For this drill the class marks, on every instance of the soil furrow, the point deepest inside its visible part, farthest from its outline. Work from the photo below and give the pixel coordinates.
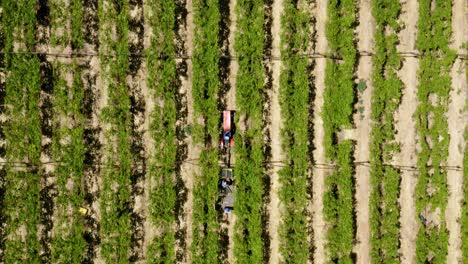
(267, 126)
(457, 120)
(144, 201)
(406, 134)
(319, 175)
(362, 120)
(187, 170)
(181, 135)
(94, 181)
(48, 189)
(310, 133)
(92, 131)
(275, 135)
(91, 168)
(137, 109)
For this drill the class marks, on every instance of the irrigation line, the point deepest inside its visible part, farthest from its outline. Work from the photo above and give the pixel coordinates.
(405, 54)
(324, 166)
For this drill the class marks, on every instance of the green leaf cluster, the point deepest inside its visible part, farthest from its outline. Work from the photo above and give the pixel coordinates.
(249, 171)
(294, 102)
(434, 31)
(115, 192)
(205, 86)
(162, 82)
(68, 147)
(385, 181)
(337, 114)
(22, 133)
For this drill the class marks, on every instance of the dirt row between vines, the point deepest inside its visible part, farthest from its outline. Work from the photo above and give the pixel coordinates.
(92, 133)
(362, 122)
(47, 115)
(101, 103)
(318, 223)
(275, 135)
(406, 131)
(457, 120)
(142, 204)
(136, 82)
(188, 170)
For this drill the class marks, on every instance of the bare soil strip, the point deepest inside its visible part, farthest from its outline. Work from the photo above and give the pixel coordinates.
(188, 170)
(91, 175)
(362, 120)
(135, 79)
(275, 134)
(231, 105)
(101, 103)
(48, 188)
(181, 123)
(319, 174)
(233, 64)
(267, 128)
(406, 134)
(457, 120)
(149, 229)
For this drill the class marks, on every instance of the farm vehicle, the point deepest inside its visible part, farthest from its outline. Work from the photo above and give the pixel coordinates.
(226, 190)
(228, 130)
(226, 181)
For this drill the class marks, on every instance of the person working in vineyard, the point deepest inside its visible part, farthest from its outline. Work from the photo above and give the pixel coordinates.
(227, 137)
(225, 183)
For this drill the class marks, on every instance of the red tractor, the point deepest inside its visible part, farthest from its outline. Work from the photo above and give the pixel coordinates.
(228, 131)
